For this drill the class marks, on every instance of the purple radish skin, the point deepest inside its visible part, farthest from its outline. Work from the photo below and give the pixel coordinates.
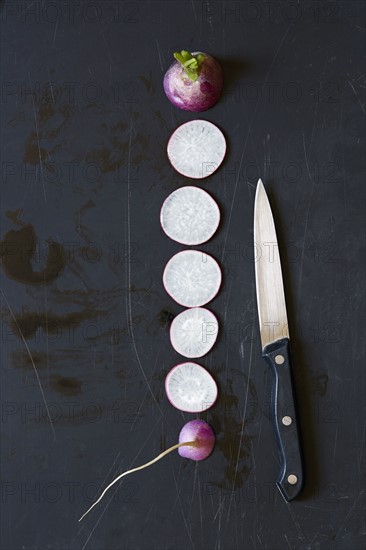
(197, 437)
(204, 436)
(194, 81)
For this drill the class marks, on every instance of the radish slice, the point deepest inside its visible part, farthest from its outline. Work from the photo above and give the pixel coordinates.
(193, 332)
(196, 149)
(190, 215)
(192, 278)
(190, 388)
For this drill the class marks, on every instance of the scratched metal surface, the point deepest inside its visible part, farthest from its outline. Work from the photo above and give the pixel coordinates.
(85, 320)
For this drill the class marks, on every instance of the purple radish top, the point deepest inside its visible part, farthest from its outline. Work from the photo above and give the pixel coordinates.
(189, 215)
(203, 434)
(194, 81)
(196, 149)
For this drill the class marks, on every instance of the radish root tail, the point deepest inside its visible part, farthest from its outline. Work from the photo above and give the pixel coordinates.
(164, 453)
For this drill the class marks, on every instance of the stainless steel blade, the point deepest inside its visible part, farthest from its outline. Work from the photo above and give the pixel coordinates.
(268, 273)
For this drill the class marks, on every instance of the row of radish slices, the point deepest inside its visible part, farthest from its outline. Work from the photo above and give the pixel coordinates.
(192, 278)
(190, 216)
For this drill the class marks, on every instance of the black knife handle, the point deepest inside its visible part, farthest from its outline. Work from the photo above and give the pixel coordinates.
(290, 478)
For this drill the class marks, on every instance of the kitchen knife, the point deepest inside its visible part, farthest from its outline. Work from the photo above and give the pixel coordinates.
(276, 345)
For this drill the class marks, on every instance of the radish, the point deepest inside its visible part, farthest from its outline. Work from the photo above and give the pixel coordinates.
(196, 442)
(190, 388)
(196, 149)
(193, 332)
(190, 215)
(194, 81)
(202, 434)
(192, 278)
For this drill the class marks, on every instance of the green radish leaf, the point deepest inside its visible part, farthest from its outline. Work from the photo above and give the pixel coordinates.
(191, 63)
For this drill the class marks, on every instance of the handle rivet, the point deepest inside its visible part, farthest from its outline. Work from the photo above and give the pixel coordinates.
(286, 420)
(292, 479)
(279, 359)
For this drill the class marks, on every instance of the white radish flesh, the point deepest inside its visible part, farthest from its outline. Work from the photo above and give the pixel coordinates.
(190, 216)
(192, 278)
(190, 388)
(193, 332)
(196, 149)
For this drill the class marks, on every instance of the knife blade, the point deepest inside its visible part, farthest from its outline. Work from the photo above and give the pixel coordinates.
(275, 340)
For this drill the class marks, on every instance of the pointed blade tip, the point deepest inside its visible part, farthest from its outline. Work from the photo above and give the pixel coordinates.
(259, 185)
(260, 189)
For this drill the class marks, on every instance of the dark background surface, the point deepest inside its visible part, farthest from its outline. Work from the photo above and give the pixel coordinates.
(84, 174)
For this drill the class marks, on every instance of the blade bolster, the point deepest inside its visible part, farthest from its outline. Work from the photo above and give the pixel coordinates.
(272, 331)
